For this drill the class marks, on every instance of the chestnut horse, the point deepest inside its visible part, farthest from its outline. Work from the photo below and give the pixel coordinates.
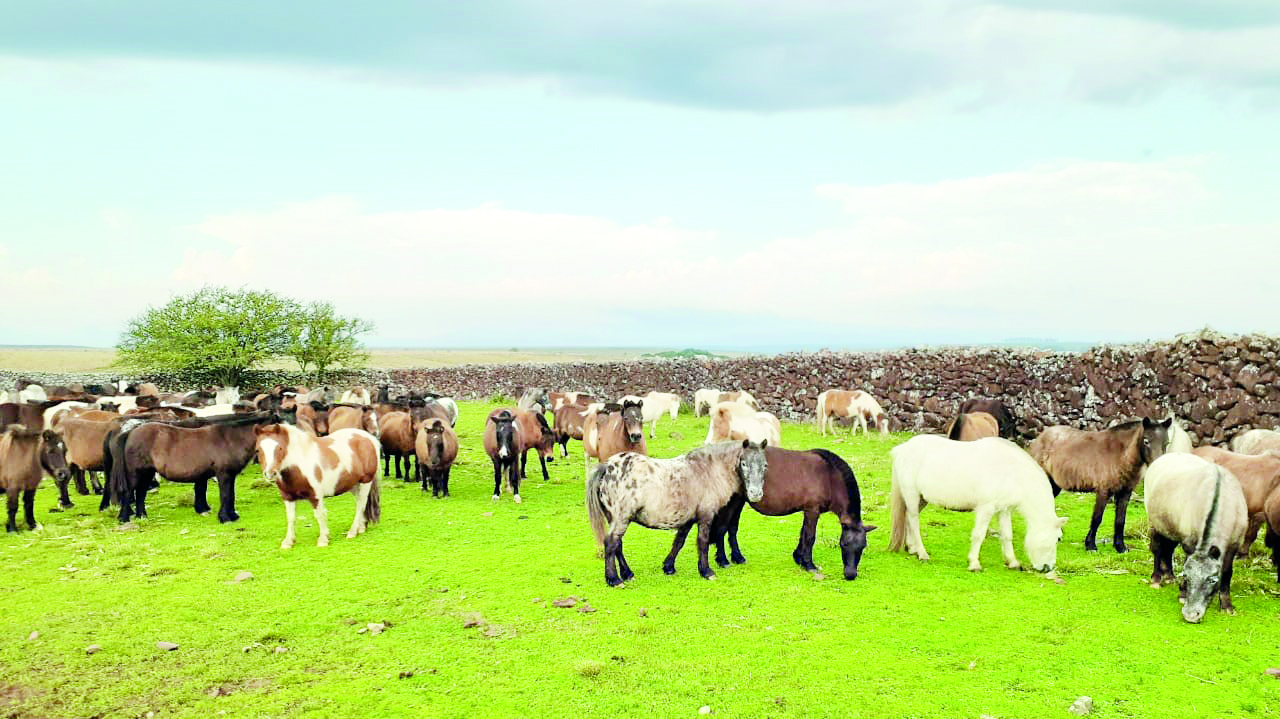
(621, 431)
(1005, 417)
(24, 453)
(968, 426)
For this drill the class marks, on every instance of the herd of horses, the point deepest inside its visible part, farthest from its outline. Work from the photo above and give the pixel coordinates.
(1211, 501)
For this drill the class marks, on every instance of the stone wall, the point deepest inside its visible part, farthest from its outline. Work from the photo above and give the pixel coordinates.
(1219, 385)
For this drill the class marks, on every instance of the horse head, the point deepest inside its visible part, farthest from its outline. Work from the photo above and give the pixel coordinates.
(505, 433)
(753, 466)
(633, 419)
(1041, 543)
(1155, 438)
(53, 456)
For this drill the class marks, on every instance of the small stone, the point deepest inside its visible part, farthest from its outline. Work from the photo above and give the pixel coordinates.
(281, 650)
(586, 609)
(243, 577)
(565, 602)
(362, 630)
(350, 622)
(184, 531)
(1081, 706)
(566, 580)
(406, 674)
(33, 636)
(643, 612)
(376, 628)
(1273, 672)
(704, 709)
(92, 649)
(537, 600)
(471, 620)
(492, 632)
(486, 514)
(819, 576)
(166, 646)
(677, 436)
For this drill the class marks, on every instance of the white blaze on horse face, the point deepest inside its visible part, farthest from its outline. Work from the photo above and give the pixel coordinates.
(267, 458)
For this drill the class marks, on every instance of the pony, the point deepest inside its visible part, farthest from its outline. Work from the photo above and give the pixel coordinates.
(969, 426)
(621, 431)
(1272, 511)
(53, 412)
(311, 468)
(356, 395)
(533, 433)
(502, 444)
(534, 397)
(1179, 440)
(566, 399)
(450, 408)
(812, 482)
(313, 417)
(354, 417)
(194, 451)
(1199, 505)
(30, 416)
(654, 405)
(32, 393)
(990, 476)
(856, 405)
(1256, 441)
(397, 437)
(437, 448)
(84, 438)
(25, 454)
(705, 399)
(1005, 417)
(1107, 462)
(734, 420)
(569, 423)
(594, 418)
(1259, 477)
(669, 494)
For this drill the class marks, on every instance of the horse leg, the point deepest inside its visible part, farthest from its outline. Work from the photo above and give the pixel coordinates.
(1122, 509)
(362, 499)
(669, 564)
(227, 498)
(444, 481)
(612, 544)
(291, 520)
(735, 552)
(915, 543)
(1099, 506)
(64, 499)
(624, 569)
(1054, 486)
(543, 461)
(12, 524)
(29, 509)
(981, 521)
(1251, 534)
(386, 464)
(1006, 539)
(514, 478)
(1224, 584)
(808, 534)
(1272, 540)
(322, 521)
(1162, 556)
(77, 473)
(497, 479)
(201, 490)
(94, 484)
(704, 543)
(140, 489)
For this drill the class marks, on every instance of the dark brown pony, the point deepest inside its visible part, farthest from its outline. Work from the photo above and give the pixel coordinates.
(812, 482)
(194, 451)
(25, 454)
(502, 444)
(1005, 417)
(1108, 463)
(397, 436)
(437, 448)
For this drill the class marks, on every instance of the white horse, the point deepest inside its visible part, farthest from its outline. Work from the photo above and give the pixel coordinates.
(734, 420)
(1256, 441)
(51, 414)
(213, 410)
(856, 404)
(356, 395)
(654, 405)
(669, 494)
(989, 476)
(32, 393)
(1199, 505)
(703, 400)
(1179, 441)
(226, 395)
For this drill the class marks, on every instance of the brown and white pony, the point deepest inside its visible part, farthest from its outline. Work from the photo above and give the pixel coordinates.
(856, 405)
(437, 448)
(621, 431)
(737, 421)
(354, 417)
(533, 433)
(25, 454)
(969, 426)
(311, 468)
(570, 422)
(568, 399)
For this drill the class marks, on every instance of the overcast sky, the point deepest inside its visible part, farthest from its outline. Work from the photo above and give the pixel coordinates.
(723, 173)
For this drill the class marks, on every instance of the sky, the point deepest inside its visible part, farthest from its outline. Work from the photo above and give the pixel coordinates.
(718, 174)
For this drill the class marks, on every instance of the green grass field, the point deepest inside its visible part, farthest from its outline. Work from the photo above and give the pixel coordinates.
(765, 639)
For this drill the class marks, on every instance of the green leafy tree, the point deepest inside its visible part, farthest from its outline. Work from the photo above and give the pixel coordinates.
(215, 333)
(322, 339)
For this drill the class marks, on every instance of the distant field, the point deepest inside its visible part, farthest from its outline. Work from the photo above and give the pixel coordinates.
(61, 359)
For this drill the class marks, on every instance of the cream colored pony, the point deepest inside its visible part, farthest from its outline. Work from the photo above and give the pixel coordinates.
(655, 405)
(734, 420)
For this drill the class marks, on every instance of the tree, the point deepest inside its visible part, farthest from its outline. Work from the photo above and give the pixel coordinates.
(322, 339)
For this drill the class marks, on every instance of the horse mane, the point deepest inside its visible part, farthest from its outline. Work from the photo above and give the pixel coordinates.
(223, 420)
(1212, 516)
(542, 422)
(957, 425)
(842, 467)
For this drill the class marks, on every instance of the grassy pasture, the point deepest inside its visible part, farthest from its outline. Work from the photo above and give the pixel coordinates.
(906, 639)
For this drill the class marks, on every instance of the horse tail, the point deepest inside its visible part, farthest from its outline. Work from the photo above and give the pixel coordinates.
(595, 508)
(957, 426)
(373, 506)
(897, 514)
(822, 411)
(119, 479)
(841, 467)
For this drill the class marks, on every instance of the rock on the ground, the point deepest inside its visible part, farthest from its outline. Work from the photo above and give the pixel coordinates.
(166, 646)
(92, 649)
(704, 709)
(376, 628)
(1081, 706)
(243, 576)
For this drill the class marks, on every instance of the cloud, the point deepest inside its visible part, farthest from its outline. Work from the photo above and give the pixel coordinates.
(753, 55)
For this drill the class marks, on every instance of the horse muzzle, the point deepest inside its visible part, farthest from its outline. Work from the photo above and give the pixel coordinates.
(755, 496)
(635, 436)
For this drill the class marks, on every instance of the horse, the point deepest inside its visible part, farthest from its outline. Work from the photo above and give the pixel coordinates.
(654, 405)
(1179, 440)
(25, 454)
(310, 468)
(1272, 511)
(356, 395)
(30, 416)
(313, 418)
(534, 397)
(397, 436)
(812, 482)
(621, 431)
(990, 476)
(84, 438)
(1256, 441)
(1194, 503)
(354, 417)
(1005, 417)
(450, 408)
(705, 399)
(569, 424)
(32, 393)
(856, 404)
(594, 418)
(734, 420)
(565, 399)
(969, 426)
(1259, 477)
(502, 444)
(192, 451)
(1107, 462)
(437, 448)
(669, 494)
(533, 433)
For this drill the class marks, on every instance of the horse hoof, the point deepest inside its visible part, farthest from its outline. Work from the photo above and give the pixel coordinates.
(1014, 565)
(352, 534)
(517, 498)
(322, 542)
(1155, 584)
(205, 513)
(613, 582)
(738, 559)
(1090, 547)
(975, 567)
(286, 545)
(709, 576)
(668, 570)
(1121, 548)
(722, 563)
(495, 497)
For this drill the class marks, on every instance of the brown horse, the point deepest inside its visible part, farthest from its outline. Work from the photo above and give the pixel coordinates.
(622, 431)
(972, 425)
(1005, 417)
(27, 414)
(397, 438)
(24, 453)
(194, 451)
(570, 399)
(346, 416)
(437, 448)
(570, 420)
(812, 482)
(1108, 463)
(84, 437)
(533, 433)
(1259, 476)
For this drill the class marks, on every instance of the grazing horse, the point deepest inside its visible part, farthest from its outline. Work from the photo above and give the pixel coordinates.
(734, 420)
(24, 453)
(1256, 441)
(969, 426)
(1005, 417)
(310, 468)
(437, 448)
(669, 494)
(1108, 463)
(856, 405)
(1259, 477)
(1194, 503)
(654, 405)
(621, 431)
(397, 438)
(534, 397)
(187, 451)
(990, 476)
(812, 482)
(502, 444)
(356, 395)
(533, 433)
(354, 417)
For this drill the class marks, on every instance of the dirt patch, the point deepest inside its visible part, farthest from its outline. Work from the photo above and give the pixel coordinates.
(17, 693)
(244, 685)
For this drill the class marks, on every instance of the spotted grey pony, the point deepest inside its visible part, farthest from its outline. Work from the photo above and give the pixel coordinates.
(670, 494)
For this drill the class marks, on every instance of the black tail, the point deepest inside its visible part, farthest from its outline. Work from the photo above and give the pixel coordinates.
(850, 482)
(957, 425)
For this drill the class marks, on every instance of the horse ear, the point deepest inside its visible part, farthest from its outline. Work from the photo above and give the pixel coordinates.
(1168, 422)
(50, 436)
(868, 527)
(764, 443)
(1062, 521)
(746, 443)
